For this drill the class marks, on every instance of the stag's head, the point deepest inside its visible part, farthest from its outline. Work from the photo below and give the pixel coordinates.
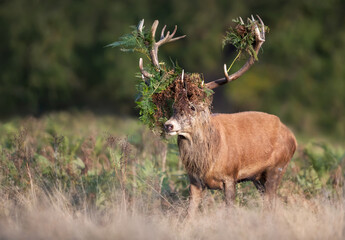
(184, 122)
(191, 108)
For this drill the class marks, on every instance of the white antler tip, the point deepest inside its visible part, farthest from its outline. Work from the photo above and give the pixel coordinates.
(226, 72)
(141, 25)
(182, 75)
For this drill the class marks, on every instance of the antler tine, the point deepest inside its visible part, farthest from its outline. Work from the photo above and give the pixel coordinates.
(165, 38)
(182, 75)
(226, 73)
(154, 28)
(141, 25)
(176, 38)
(144, 74)
(162, 33)
(258, 33)
(173, 33)
(262, 35)
(260, 39)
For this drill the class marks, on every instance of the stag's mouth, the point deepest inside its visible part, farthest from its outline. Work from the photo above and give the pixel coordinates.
(178, 132)
(172, 133)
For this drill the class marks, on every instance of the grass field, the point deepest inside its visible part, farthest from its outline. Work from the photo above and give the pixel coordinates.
(81, 176)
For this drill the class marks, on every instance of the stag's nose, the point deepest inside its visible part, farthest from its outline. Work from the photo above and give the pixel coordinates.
(168, 127)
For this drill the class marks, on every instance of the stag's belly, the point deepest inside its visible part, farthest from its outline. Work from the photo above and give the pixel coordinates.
(250, 172)
(213, 183)
(217, 184)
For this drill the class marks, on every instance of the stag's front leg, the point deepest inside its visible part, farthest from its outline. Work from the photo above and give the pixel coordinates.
(196, 190)
(230, 191)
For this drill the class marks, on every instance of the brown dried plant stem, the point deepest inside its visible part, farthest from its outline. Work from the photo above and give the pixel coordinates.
(30, 180)
(164, 153)
(120, 177)
(121, 173)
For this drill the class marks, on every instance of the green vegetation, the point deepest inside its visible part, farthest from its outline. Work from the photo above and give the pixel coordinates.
(92, 157)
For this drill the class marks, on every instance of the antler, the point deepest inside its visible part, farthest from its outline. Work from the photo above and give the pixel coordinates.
(165, 38)
(259, 39)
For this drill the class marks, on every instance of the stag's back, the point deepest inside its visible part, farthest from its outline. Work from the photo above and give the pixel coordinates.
(252, 142)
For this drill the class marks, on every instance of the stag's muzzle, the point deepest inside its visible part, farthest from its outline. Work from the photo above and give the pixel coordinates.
(171, 127)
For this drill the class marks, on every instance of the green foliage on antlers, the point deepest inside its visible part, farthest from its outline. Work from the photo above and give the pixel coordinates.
(242, 37)
(135, 41)
(140, 40)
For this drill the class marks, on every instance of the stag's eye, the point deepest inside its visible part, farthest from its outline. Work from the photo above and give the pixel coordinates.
(193, 108)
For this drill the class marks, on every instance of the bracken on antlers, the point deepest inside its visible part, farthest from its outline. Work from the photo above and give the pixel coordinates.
(259, 39)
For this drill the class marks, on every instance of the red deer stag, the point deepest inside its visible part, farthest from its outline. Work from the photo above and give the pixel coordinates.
(220, 150)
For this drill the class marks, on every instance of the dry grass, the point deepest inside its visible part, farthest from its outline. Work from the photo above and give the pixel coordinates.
(42, 216)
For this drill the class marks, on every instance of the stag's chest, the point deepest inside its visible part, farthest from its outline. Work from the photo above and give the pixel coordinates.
(199, 161)
(194, 156)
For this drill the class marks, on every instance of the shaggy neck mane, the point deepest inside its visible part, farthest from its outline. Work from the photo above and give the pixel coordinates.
(197, 152)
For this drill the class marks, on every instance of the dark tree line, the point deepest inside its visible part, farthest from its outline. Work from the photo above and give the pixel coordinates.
(52, 56)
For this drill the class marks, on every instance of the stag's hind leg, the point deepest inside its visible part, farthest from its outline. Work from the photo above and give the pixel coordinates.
(273, 178)
(260, 183)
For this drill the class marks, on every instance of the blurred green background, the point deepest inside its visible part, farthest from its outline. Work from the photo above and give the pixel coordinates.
(52, 57)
